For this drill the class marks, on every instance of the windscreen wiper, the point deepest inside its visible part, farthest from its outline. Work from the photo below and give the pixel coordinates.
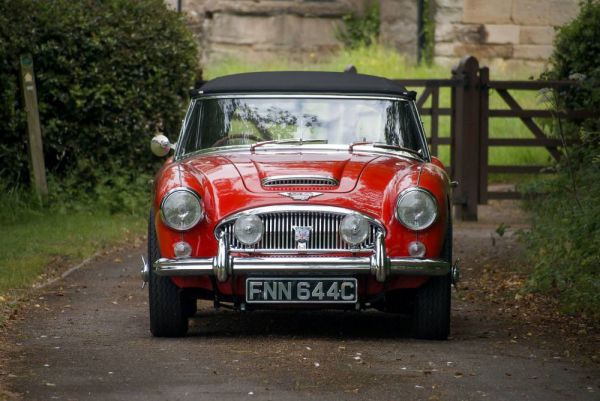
(387, 146)
(299, 141)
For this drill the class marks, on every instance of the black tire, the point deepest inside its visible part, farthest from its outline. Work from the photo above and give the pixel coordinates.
(431, 315)
(168, 310)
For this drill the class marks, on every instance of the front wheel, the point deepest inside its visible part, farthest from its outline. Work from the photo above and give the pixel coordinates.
(168, 309)
(431, 316)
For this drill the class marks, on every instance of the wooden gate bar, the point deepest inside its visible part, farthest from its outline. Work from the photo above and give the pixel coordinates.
(547, 142)
(440, 111)
(571, 114)
(529, 123)
(518, 169)
(423, 98)
(532, 85)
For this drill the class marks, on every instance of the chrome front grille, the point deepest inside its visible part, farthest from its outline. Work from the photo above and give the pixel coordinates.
(279, 234)
(299, 181)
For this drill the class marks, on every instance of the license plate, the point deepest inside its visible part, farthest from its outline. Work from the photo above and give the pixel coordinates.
(301, 290)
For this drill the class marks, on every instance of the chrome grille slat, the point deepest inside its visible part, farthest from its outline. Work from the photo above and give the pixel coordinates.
(279, 235)
(299, 181)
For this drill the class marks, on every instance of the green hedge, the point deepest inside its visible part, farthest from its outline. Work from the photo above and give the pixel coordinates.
(576, 56)
(109, 73)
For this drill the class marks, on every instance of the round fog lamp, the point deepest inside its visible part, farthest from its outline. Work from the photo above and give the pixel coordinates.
(182, 249)
(248, 229)
(354, 229)
(416, 249)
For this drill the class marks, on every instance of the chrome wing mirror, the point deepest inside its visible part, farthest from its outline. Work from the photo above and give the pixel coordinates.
(161, 146)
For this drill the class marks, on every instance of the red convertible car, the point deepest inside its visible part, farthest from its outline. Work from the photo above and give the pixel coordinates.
(300, 190)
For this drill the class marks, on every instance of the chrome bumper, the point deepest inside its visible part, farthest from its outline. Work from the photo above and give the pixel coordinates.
(224, 266)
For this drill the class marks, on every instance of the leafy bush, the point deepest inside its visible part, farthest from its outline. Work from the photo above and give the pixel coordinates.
(109, 75)
(564, 241)
(565, 238)
(360, 30)
(576, 55)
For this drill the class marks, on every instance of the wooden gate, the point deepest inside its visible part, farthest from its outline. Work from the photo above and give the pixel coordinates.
(470, 140)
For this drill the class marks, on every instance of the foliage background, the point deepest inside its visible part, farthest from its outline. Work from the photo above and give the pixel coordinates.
(109, 74)
(358, 30)
(565, 239)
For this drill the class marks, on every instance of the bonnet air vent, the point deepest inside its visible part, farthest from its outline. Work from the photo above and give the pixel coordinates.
(299, 181)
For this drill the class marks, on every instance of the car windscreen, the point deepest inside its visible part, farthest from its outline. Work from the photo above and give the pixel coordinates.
(214, 122)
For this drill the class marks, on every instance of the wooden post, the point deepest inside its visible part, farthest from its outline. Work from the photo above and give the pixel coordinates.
(484, 134)
(465, 140)
(34, 133)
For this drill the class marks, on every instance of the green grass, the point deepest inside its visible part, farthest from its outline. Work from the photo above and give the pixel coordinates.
(26, 248)
(377, 60)
(39, 239)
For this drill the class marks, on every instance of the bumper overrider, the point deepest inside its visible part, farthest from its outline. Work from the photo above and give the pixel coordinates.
(223, 266)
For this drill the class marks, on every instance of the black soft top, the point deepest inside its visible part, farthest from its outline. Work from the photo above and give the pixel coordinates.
(304, 82)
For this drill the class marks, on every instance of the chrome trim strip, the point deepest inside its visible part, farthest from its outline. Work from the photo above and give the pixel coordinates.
(302, 95)
(305, 149)
(302, 265)
(423, 134)
(418, 267)
(292, 251)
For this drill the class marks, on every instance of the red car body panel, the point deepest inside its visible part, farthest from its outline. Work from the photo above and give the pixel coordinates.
(369, 182)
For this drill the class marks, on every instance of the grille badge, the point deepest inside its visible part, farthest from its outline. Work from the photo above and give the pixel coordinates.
(302, 235)
(300, 196)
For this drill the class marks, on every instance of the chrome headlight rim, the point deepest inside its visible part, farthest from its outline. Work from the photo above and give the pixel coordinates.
(196, 220)
(427, 193)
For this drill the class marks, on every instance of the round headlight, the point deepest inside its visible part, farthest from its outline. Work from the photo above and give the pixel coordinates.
(248, 229)
(416, 209)
(354, 229)
(181, 209)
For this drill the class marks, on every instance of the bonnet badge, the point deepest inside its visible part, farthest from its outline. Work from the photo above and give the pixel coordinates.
(300, 196)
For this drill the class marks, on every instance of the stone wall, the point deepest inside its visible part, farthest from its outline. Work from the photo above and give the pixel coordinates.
(506, 34)
(399, 25)
(258, 29)
(501, 33)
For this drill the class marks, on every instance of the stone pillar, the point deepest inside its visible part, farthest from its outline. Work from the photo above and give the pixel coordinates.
(506, 34)
(399, 26)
